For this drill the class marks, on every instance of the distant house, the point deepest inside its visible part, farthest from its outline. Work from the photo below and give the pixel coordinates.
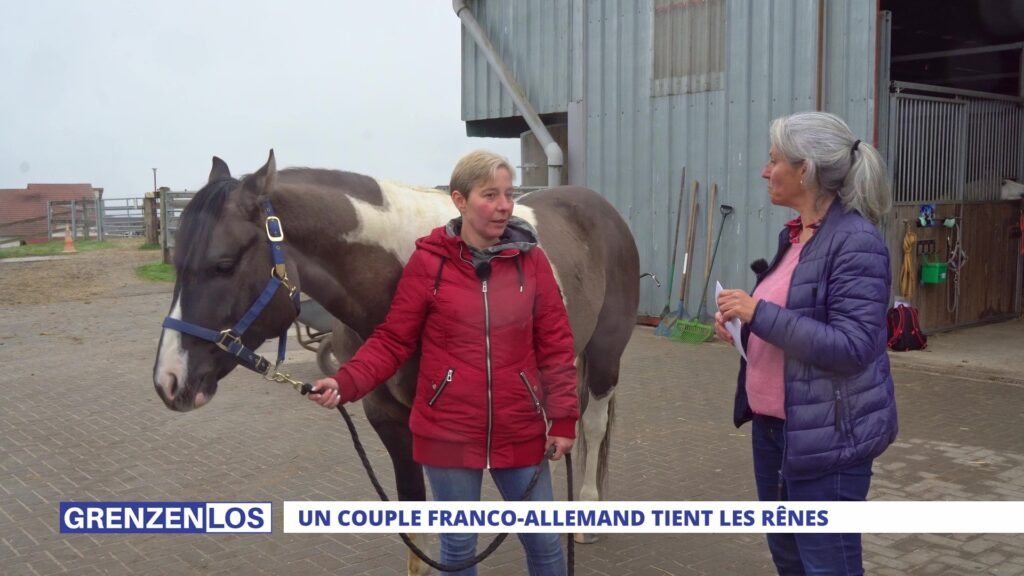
(23, 210)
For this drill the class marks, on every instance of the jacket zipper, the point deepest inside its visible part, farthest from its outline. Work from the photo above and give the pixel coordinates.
(839, 410)
(536, 402)
(440, 388)
(529, 388)
(785, 451)
(490, 393)
(487, 342)
(785, 424)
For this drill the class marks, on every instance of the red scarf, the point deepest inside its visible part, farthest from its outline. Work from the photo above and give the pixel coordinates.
(796, 226)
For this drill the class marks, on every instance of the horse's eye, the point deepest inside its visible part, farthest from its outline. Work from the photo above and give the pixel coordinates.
(225, 266)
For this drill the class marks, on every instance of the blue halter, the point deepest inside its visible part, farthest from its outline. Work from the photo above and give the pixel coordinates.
(230, 339)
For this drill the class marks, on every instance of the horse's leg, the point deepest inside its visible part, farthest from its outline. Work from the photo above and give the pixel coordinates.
(595, 431)
(599, 372)
(390, 419)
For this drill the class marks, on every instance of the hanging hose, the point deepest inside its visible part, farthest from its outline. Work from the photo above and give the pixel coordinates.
(908, 275)
(957, 260)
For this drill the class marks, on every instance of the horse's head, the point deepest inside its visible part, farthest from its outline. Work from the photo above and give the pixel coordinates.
(223, 263)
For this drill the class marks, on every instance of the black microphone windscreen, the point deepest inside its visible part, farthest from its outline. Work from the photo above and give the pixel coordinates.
(483, 270)
(759, 266)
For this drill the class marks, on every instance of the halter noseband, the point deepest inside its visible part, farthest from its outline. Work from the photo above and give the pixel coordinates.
(230, 339)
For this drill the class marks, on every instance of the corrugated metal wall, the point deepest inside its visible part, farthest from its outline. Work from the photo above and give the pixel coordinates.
(849, 73)
(637, 145)
(534, 38)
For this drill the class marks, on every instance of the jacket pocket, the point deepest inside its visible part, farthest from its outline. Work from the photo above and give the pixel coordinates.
(439, 387)
(533, 393)
(842, 423)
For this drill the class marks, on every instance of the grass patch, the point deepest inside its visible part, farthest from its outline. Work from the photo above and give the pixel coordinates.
(52, 248)
(149, 246)
(156, 272)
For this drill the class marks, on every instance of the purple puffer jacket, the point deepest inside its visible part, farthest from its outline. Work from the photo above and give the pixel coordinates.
(840, 403)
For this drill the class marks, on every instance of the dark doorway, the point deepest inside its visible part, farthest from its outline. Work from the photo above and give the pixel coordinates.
(924, 27)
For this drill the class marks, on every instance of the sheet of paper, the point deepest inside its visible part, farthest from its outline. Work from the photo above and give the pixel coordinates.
(733, 326)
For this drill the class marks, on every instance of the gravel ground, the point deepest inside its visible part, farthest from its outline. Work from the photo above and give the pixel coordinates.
(83, 277)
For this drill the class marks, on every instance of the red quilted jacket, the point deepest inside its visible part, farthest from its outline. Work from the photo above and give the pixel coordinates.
(496, 360)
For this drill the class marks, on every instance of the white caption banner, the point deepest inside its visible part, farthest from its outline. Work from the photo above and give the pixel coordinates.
(654, 517)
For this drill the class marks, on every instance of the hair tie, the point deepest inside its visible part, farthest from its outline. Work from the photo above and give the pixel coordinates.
(855, 145)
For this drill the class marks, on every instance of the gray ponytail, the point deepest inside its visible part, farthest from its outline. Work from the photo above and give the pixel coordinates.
(837, 162)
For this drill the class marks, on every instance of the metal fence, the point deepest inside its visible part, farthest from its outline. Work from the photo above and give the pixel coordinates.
(952, 145)
(171, 206)
(79, 217)
(928, 136)
(994, 148)
(123, 217)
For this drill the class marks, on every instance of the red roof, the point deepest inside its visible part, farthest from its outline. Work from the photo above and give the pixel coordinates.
(18, 205)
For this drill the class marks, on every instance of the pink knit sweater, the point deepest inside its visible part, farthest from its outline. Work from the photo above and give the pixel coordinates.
(765, 383)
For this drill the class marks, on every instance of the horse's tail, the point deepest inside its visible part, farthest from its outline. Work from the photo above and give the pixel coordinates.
(579, 449)
(604, 455)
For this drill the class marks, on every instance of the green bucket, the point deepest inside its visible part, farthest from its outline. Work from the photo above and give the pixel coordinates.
(934, 272)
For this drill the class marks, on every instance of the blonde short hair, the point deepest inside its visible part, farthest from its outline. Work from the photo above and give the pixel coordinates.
(476, 168)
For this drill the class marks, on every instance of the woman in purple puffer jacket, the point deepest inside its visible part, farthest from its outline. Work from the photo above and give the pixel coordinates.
(817, 384)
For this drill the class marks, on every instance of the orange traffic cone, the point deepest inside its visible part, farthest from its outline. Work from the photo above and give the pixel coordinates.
(69, 240)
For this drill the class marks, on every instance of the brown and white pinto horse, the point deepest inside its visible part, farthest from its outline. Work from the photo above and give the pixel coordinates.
(347, 237)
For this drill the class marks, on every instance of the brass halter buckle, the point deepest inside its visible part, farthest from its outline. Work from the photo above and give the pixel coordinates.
(278, 271)
(228, 337)
(279, 237)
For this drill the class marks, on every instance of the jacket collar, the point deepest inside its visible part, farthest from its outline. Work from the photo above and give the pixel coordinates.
(519, 235)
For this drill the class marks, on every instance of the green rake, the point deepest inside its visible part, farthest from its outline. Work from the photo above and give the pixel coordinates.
(692, 331)
(699, 329)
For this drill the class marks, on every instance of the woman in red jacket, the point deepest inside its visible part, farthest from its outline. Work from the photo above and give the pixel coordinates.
(497, 384)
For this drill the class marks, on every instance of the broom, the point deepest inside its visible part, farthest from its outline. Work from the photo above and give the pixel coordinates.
(665, 324)
(691, 230)
(700, 329)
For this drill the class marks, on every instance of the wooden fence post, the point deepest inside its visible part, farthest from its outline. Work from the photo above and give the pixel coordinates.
(149, 220)
(165, 205)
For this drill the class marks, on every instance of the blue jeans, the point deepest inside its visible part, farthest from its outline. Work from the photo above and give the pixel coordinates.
(543, 551)
(811, 553)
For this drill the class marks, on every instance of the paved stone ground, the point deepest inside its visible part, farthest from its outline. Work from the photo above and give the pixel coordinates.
(79, 421)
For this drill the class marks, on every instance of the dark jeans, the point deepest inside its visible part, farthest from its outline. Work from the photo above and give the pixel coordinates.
(807, 553)
(544, 555)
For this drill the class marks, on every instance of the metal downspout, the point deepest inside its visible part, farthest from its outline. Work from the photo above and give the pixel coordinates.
(551, 148)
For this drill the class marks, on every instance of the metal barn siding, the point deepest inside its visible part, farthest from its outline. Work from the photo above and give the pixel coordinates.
(535, 40)
(850, 77)
(637, 144)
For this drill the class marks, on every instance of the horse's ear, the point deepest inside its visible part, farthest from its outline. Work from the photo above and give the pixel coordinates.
(220, 170)
(262, 182)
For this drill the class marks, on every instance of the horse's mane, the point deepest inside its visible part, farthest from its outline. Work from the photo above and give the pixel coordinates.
(197, 223)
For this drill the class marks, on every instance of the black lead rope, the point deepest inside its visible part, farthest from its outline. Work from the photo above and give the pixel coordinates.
(498, 540)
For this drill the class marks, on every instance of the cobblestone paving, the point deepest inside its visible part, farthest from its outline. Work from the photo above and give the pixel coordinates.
(79, 421)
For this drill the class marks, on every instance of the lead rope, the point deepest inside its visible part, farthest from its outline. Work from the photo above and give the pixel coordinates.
(908, 273)
(498, 540)
(957, 260)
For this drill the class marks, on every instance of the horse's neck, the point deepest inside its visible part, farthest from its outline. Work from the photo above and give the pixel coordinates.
(350, 252)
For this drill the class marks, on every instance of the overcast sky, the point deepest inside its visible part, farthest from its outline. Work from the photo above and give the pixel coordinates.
(103, 91)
